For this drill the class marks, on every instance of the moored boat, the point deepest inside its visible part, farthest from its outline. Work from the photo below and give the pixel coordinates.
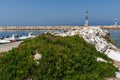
(16, 37)
(13, 38)
(4, 41)
(23, 37)
(31, 35)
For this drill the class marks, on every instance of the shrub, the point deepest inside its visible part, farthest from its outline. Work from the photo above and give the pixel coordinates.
(63, 58)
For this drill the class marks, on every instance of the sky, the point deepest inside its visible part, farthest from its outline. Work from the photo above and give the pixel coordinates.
(58, 12)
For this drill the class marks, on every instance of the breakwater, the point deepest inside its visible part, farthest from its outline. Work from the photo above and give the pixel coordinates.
(36, 27)
(51, 27)
(110, 27)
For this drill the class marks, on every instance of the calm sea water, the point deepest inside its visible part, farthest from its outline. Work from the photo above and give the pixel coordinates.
(115, 35)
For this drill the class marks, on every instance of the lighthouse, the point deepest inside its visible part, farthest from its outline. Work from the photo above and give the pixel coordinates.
(115, 20)
(86, 18)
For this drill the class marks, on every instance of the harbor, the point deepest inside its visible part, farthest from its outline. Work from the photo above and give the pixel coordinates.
(114, 33)
(16, 37)
(59, 40)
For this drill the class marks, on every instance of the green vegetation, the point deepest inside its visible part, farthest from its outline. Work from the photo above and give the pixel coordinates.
(63, 58)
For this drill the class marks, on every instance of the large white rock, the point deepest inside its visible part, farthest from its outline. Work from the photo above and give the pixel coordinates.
(102, 46)
(117, 74)
(72, 33)
(92, 40)
(91, 31)
(86, 39)
(97, 39)
(113, 46)
(62, 34)
(115, 55)
(101, 60)
(37, 56)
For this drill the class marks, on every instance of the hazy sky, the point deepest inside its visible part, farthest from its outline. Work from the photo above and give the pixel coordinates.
(58, 12)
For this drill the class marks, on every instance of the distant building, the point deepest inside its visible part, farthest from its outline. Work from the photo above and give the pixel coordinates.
(86, 18)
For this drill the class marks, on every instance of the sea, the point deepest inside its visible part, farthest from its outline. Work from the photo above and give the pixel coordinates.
(114, 34)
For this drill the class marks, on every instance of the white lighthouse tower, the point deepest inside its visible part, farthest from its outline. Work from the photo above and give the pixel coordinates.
(115, 20)
(86, 18)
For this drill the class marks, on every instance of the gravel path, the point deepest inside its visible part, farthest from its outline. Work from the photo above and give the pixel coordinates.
(9, 46)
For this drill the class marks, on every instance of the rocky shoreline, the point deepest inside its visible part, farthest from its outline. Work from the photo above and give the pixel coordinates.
(95, 36)
(92, 35)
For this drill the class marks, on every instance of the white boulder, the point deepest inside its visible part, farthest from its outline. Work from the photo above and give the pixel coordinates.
(102, 46)
(115, 55)
(101, 60)
(117, 74)
(37, 56)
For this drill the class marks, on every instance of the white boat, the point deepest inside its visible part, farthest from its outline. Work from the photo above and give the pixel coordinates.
(31, 35)
(13, 38)
(23, 37)
(4, 41)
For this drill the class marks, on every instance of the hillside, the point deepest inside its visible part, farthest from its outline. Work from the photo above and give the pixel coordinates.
(62, 58)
